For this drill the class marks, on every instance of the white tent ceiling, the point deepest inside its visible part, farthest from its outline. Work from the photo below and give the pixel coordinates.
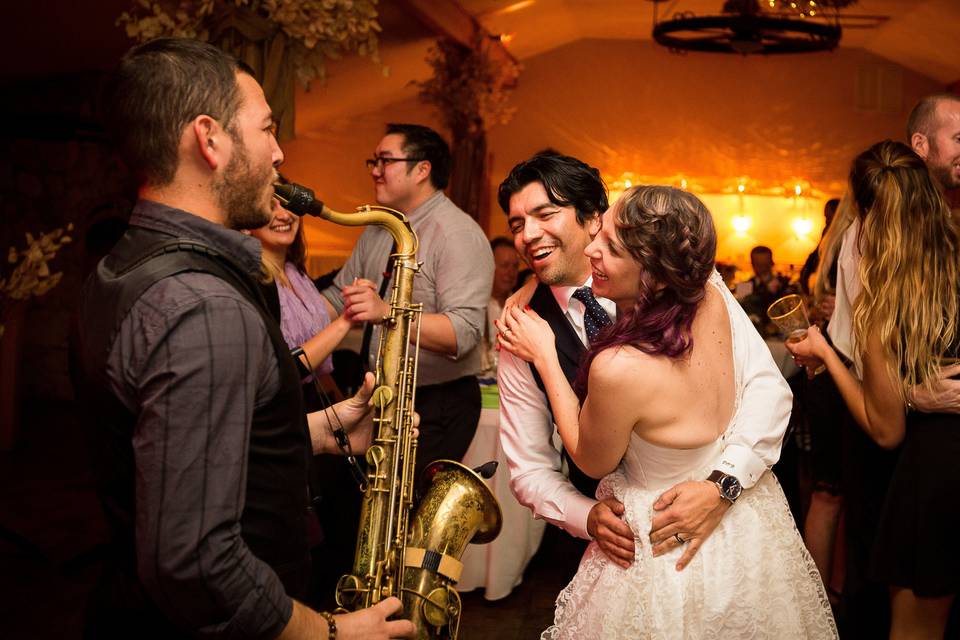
(920, 35)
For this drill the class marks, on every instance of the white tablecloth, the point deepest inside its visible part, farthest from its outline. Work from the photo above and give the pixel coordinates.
(498, 566)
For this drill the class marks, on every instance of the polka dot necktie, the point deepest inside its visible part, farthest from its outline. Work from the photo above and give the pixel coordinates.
(594, 317)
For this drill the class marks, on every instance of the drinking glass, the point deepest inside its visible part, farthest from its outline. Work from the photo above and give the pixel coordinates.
(790, 314)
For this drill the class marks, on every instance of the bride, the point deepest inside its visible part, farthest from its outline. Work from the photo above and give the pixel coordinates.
(659, 389)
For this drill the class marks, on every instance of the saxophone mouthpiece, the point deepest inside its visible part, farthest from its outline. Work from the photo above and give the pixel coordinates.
(487, 469)
(298, 199)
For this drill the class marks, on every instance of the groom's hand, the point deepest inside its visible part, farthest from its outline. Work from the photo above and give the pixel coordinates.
(692, 509)
(612, 534)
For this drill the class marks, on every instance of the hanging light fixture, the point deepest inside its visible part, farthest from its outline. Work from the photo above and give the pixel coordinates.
(755, 27)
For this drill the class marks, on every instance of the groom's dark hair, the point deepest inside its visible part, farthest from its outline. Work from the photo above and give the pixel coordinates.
(568, 182)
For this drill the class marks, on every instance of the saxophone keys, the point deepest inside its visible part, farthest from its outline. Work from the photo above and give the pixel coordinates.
(439, 609)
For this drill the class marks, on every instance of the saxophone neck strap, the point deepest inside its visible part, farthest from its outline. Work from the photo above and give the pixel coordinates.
(333, 420)
(433, 561)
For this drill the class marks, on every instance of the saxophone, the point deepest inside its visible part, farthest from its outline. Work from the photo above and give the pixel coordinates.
(414, 558)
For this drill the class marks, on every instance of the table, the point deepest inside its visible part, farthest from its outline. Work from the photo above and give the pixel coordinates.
(498, 566)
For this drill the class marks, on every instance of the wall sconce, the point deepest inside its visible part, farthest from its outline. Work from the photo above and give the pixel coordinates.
(741, 224)
(802, 226)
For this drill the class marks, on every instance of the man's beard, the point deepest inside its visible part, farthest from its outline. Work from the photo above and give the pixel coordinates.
(240, 191)
(945, 176)
(943, 173)
(561, 271)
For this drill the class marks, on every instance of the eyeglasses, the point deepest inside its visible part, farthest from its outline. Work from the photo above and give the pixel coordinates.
(382, 161)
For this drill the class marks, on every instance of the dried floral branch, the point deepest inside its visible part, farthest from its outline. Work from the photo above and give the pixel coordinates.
(470, 91)
(319, 30)
(31, 277)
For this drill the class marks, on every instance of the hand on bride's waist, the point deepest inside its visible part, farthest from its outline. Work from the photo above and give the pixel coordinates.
(692, 510)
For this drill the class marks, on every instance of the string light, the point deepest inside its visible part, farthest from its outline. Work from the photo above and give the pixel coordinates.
(804, 8)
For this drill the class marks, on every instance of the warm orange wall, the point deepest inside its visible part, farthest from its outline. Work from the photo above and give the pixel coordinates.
(331, 162)
(633, 106)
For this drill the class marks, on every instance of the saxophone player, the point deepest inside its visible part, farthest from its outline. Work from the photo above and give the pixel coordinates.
(194, 401)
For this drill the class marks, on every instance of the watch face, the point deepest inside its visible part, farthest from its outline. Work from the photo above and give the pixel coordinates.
(731, 487)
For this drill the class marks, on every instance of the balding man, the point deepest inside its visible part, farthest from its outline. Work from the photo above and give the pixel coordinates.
(933, 131)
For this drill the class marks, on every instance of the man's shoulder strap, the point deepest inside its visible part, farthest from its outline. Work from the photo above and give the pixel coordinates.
(179, 255)
(138, 262)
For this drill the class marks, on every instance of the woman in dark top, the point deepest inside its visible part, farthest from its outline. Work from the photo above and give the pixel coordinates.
(905, 323)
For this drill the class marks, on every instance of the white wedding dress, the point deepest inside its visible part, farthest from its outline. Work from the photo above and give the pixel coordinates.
(752, 578)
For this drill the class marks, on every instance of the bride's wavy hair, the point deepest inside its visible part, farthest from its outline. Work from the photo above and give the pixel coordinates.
(670, 234)
(909, 269)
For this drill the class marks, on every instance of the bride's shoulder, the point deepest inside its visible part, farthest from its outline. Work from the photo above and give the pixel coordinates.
(625, 366)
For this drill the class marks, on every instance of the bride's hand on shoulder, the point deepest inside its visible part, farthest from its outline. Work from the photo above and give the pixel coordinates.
(526, 335)
(519, 298)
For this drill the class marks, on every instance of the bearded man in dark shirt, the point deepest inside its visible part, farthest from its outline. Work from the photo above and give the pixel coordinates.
(197, 422)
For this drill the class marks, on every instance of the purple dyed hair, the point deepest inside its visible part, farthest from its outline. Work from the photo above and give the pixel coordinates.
(670, 234)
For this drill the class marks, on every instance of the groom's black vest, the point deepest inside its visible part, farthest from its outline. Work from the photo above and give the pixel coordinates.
(569, 351)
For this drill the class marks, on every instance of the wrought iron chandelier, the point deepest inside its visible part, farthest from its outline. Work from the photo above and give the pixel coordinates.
(755, 27)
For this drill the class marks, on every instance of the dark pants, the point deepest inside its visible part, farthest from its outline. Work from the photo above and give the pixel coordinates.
(449, 414)
(338, 509)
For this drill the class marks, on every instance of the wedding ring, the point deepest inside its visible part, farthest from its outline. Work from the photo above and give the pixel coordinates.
(679, 539)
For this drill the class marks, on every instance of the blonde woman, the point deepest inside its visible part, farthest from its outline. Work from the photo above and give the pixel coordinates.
(303, 314)
(905, 328)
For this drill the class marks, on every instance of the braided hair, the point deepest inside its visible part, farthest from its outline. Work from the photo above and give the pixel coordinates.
(670, 234)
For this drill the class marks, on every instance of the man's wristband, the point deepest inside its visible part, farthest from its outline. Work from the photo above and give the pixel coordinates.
(331, 625)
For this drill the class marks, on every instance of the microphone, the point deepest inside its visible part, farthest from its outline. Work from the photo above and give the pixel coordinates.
(298, 199)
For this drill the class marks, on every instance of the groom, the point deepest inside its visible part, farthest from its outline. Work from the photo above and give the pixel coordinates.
(553, 204)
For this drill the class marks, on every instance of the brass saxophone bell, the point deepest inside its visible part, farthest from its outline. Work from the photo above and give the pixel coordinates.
(456, 508)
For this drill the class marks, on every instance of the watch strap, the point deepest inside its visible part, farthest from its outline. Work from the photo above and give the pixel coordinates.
(717, 477)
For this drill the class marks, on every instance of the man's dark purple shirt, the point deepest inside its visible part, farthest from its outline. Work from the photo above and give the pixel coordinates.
(192, 361)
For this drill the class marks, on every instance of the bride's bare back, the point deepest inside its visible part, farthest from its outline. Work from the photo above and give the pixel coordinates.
(681, 403)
